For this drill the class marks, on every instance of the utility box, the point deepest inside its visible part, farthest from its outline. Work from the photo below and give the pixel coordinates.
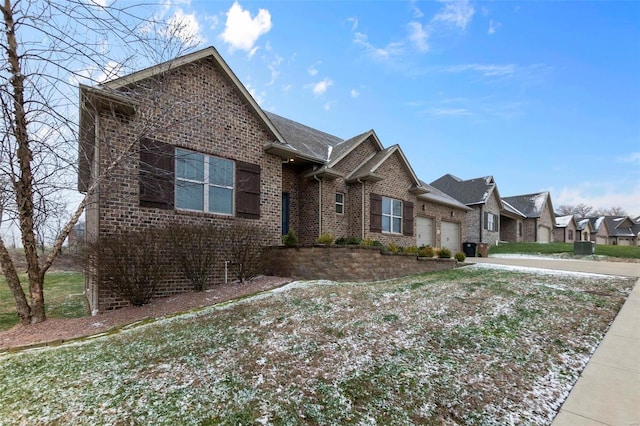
(469, 249)
(483, 250)
(584, 247)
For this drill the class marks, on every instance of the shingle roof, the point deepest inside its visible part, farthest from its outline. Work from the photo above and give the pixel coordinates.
(438, 197)
(469, 192)
(563, 221)
(531, 205)
(307, 140)
(619, 226)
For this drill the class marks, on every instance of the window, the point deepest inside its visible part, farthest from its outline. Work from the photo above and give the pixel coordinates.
(339, 203)
(570, 234)
(204, 183)
(391, 215)
(520, 229)
(490, 222)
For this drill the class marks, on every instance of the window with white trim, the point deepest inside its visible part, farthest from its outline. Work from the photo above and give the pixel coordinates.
(204, 183)
(339, 203)
(391, 215)
(491, 222)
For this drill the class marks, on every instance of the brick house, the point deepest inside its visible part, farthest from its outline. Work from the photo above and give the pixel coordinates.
(184, 142)
(584, 229)
(482, 197)
(566, 230)
(539, 219)
(615, 230)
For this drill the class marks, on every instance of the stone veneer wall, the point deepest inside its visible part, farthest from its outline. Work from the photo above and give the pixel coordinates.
(348, 263)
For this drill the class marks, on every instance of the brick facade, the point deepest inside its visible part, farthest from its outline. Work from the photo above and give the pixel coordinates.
(195, 107)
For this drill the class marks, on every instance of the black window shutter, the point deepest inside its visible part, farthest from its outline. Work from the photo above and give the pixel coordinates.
(247, 190)
(407, 218)
(156, 174)
(375, 210)
(485, 224)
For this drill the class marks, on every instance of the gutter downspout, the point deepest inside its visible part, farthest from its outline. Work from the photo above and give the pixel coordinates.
(319, 204)
(362, 210)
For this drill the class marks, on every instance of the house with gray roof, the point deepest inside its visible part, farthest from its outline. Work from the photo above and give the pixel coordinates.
(539, 220)
(482, 196)
(584, 229)
(185, 143)
(566, 229)
(621, 230)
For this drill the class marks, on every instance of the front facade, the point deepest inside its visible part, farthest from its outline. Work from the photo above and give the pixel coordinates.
(185, 143)
(539, 220)
(482, 197)
(566, 230)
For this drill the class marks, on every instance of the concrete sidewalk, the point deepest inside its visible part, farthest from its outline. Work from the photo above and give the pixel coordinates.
(608, 390)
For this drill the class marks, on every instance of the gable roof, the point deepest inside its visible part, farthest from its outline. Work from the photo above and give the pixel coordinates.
(308, 141)
(434, 195)
(531, 205)
(367, 170)
(469, 192)
(619, 226)
(564, 221)
(582, 224)
(343, 149)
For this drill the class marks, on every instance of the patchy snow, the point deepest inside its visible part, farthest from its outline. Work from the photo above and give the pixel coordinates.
(469, 346)
(541, 271)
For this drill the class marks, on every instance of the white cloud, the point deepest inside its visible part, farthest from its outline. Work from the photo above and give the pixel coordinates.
(493, 26)
(354, 23)
(632, 157)
(418, 36)
(378, 53)
(417, 13)
(242, 31)
(455, 12)
(313, 70)
(321, 87)
(600, 196)
(185, 27)
(490, 70)
(449, 111)
(354, 93)
(259, 97)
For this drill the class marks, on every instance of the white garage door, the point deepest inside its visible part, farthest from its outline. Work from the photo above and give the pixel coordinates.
(424, 228)
(544, 234)
(451, 236)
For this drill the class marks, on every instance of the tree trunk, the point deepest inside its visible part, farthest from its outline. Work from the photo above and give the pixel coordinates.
(13, 281)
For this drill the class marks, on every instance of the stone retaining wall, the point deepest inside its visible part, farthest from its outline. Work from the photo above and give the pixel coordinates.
(348, 263)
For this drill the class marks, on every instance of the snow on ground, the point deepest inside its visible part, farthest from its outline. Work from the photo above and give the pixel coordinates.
(540, 271)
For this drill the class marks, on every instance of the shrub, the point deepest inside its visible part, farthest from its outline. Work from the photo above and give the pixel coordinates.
(353, 241)
(393, 248)
(325, 238)
(244, 247)
(129, 264)
(370, 243)
(197, 251)
(460, 256)
(290, 238)
(411, 249)
(426, 251)
(444, 253)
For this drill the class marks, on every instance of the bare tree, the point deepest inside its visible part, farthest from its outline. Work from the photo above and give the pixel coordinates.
(581, 210)
(612, 211)
(49, 48)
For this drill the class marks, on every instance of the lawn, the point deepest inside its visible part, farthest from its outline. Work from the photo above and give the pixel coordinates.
(63, 292)
(474, 345)
(632, 252)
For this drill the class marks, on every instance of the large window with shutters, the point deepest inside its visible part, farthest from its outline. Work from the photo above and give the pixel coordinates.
(173, 177)
(391, 215)
(204, 183)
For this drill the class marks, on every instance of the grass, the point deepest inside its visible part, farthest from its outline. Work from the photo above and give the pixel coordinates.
(63, 293)
(632, 252)
(473, 345)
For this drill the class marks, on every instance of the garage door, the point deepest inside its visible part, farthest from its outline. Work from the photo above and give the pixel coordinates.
(451, 236)
(424, 228)
(544, 234)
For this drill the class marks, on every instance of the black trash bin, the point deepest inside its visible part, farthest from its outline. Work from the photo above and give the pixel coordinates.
(469, 249)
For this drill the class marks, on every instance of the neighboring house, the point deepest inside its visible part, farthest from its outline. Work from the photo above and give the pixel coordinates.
(482, 196)
(584, 230)
(622, 231)
(599, 230)
(205, 152)
(539, 219)
(566, 230)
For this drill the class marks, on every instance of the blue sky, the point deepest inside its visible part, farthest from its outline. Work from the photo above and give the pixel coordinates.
(544, 96)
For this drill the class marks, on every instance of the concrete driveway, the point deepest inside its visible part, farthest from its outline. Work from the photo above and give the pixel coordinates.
(608, 390)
